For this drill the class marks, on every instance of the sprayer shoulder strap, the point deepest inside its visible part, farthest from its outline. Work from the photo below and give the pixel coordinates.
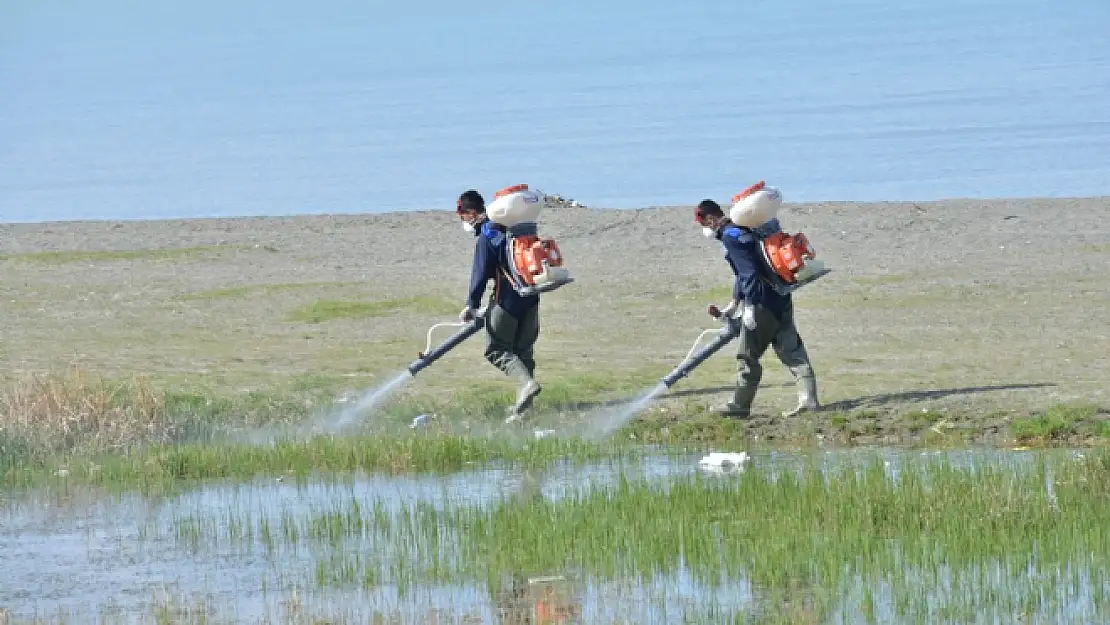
(507, 266)
(763, 270)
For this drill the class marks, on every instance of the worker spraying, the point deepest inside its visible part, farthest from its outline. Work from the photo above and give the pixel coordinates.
(766, 264)
(509, 251)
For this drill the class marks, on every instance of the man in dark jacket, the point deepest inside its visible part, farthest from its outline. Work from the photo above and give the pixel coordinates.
(767, 315)
(512, 320)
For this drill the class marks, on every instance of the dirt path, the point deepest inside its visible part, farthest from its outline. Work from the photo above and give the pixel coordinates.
(963, 309)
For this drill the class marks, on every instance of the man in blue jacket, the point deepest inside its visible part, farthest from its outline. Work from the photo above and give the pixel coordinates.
(512, 320)
(767, 315)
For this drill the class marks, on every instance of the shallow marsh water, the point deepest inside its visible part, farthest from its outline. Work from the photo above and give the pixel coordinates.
(355, 546)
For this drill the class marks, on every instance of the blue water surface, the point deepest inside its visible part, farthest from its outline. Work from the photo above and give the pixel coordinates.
(126, 110)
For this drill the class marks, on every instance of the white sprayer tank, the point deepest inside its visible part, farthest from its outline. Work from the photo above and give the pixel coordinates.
(755, 206)
(515, 205)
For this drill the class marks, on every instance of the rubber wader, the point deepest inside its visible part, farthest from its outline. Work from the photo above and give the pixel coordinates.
(782, 335)
(509, 347)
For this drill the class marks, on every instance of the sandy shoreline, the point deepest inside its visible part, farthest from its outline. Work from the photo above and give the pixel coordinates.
(962, 305)
(13, 231)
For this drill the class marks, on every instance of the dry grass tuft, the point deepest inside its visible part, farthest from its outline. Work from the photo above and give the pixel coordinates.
(77, 410)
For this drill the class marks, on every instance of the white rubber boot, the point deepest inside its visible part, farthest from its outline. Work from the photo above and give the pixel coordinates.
(807, 397)
(524, 397)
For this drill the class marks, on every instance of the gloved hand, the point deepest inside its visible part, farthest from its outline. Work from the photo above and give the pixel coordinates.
(467, 315)
(729, 310)
(749, 317)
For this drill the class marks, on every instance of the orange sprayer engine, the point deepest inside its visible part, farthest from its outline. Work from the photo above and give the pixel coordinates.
(791, 259)
(535, 262)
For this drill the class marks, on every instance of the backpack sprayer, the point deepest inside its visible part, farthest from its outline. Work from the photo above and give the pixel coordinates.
(535, 263)
(790, 259)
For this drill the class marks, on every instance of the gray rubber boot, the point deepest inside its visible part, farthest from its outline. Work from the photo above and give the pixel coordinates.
(807, 397)
(524, 396)
(741, 404)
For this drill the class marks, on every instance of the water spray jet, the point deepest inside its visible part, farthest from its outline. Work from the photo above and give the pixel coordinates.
(371, 398)
(730, 329)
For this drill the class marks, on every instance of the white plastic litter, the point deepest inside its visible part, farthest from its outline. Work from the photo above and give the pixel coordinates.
(418, 421)
(724, 462)
(543, 433)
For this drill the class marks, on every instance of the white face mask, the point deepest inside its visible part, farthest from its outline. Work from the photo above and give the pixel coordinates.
(469, 227)
(709, 232)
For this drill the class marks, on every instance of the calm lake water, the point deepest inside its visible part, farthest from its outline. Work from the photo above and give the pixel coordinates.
(202, 108)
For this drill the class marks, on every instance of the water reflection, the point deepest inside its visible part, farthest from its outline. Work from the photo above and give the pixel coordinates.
(85, 553)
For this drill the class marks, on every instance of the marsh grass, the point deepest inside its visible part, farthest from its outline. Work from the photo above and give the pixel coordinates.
(325, 310)
(1060, 422)
(702, 427)
(76, 421)
(175, 466)
(803, 529)
(79, 411)
(132, 433)
(929, 541)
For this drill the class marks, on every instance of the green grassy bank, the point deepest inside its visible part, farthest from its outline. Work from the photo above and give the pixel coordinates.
(134, 431)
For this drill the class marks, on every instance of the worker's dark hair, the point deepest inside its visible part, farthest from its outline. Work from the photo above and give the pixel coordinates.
(707, 208)
(470, 201)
